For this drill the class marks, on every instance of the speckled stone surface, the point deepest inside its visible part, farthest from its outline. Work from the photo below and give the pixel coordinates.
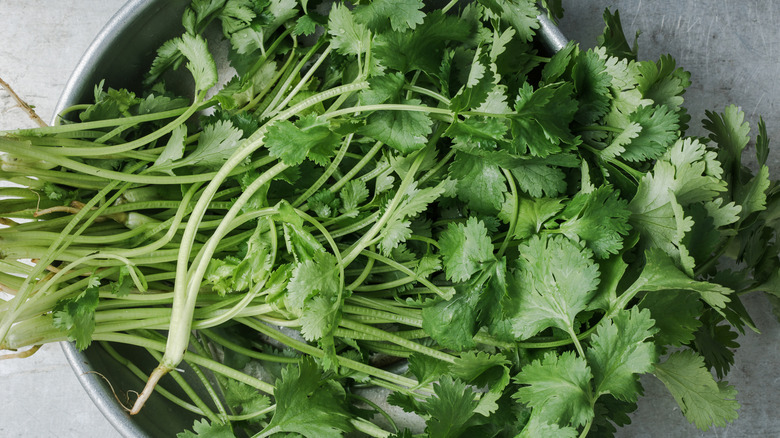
(731, 48)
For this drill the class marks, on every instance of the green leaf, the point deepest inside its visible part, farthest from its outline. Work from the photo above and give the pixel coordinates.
(205, 429)
(599, 218)
(554, 281)
(619, 351)
(481, 185)
(663, 82)
(217, 142)
(122, 286)
(536, 428)
(542, 117)
(591, 85)
(318, 318)
(316, 276)
(452, 323)
(752, 196)
(245, 399)
(423, 47)
(703, 401)
(521, 14)
(465, 249)
(76, 316)
(427, 369)
(309, 137)
(676, 316)
(732, 134)
(348, 37)
(401, 14)
(557, 388)
(481, 369)
(352, 195)
(659, 130)
(716, 343)
(308, 404)
(450, 409)
(660, 274)
(201, 64)
(533, 214)
(614, 39)
(174, 149)
(405, 131)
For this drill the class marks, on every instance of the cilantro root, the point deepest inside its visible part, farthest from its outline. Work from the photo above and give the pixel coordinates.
(387, 184)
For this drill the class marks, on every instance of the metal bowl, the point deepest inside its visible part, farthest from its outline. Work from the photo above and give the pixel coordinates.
(120, 55)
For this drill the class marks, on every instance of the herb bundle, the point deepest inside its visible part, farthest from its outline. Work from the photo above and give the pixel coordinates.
(392, 183)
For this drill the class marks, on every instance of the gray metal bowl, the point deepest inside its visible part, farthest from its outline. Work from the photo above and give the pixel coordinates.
(120, 55)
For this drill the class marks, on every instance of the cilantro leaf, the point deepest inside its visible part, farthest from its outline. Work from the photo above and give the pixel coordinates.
(541, 118)
(309, 405)
(659, 129)
(401, 14)
(557, 388)
(318, 275)
(465, 249)
(309, 137)
(599, 218)
(76, 316)
(450, 409)
(660, 274)
(716, 343)
(662, 82)
(216, 144)
(427, 369)
(676, 316)
(536, 428)
(405, 131)
(201, 64)
(481, 185)
(591, 84)
(244, 398)
(348, 37)
(554, 281)
(731, 132)
(205, 429)
(703, 401)
(619, 351)
(533, 213)
(614, 39)
(421, 48)
(521, 14)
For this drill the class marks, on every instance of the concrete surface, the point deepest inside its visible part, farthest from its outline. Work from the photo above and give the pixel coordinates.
(731, 48)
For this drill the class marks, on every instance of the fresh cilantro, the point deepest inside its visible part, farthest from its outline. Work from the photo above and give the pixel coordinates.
(206, 429)
(554, 281)
(76, 316)
(466, 249)
(557, 387)
(309, 137)
(308, 405)
(620, 351)
(703, 401)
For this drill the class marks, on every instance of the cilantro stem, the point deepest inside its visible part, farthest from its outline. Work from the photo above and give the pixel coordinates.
(356, 168)
(365, 240)
(390, 262)
(390, 107)
(214, 336)
(515, 213)
(316, 352)
(413, 346)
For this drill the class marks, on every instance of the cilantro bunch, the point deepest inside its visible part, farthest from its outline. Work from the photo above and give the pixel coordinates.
(388, 206)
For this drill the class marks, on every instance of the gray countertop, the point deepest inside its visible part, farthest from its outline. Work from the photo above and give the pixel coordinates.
(731, 48)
